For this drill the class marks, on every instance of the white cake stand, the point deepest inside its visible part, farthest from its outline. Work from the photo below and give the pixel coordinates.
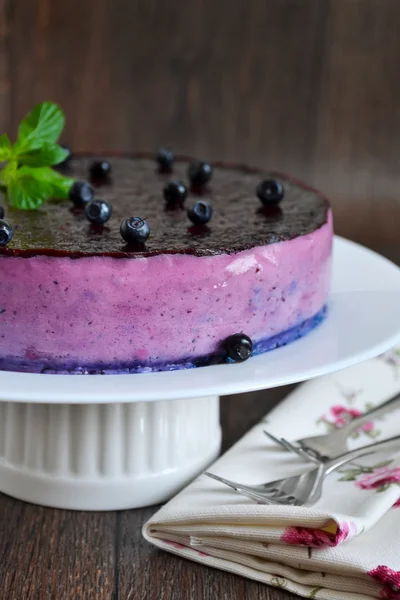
(124, 441)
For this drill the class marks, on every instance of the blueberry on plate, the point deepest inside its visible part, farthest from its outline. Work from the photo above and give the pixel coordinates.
(165, 159)
(98, 212)
(6, 232)
(200, 213)
(270, 191)
(238, 347)
(100, 169)
(80, 193)
(135, 230)
(175, 193)
(199, 173)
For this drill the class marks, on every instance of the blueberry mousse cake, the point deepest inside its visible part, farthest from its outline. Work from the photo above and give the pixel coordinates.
(158, 263)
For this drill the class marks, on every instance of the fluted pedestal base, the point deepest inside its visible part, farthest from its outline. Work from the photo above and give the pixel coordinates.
(105, 456)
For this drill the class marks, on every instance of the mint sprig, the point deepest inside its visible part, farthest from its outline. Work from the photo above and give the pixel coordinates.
(49, 154)
(28, 176)
(33, 186)
(5, 147)
(43, 124)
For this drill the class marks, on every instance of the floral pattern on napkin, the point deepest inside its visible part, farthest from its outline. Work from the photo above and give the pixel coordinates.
(340, 414)
(390, 581)
(314, 538)
(379, 477)
(380, 480)
(299, 548)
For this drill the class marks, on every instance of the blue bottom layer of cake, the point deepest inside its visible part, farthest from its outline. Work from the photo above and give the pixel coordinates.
(73, 368)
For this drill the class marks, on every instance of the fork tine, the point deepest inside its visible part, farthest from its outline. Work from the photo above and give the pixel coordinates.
(311, 453)
(274, 439)
(305, 453)
(290, 447)
(301, 451)
(245, 490)
(233, 484)
(216, 477)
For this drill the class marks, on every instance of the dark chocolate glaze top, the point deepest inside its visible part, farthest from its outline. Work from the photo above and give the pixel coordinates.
(239, 221)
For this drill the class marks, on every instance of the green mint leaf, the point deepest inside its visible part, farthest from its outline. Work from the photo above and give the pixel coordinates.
(49, 154)
(60, 185)
(28, 177)
(25, 192)
(5, 147)
(43, 124)
(9, 172)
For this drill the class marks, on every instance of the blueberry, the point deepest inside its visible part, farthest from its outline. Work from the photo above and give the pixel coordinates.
(134, 230)
(80, 193)
(175, 193)
(100, 169)
(270, 191)
(165, 159)
(199, 173)
(67, 158)
(1, 212)
(98, 212)
(6, 233)
(200, 213)
(238, 347)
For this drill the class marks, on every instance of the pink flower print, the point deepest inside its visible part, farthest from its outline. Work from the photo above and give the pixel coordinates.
(380, 479)
(339, 415)
(314, 538)
(396, 504)
(344, 531)
(390, 581)
(175, 545)
(342, 415)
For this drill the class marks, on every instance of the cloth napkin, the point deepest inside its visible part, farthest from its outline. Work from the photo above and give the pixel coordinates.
(346, 546)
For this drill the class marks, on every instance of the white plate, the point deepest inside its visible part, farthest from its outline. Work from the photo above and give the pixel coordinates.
(363, 321)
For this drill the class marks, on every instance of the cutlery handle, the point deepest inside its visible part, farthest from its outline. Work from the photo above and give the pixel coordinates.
(392, 443)
(375, 412)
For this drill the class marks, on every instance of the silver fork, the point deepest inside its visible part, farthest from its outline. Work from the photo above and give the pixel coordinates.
(304, 489)
(333, 444)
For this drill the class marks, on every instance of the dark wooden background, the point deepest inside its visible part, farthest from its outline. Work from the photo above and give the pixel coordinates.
(311, 87)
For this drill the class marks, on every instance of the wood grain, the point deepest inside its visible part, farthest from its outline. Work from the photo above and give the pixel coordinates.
(52, 554)
(5, 67)
(357, 147)
(309, 87)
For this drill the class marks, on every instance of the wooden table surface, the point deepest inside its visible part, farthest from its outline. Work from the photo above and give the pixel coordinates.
(310, 87)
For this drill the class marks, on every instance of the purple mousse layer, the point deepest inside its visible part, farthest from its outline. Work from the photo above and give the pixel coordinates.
(104, 314)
